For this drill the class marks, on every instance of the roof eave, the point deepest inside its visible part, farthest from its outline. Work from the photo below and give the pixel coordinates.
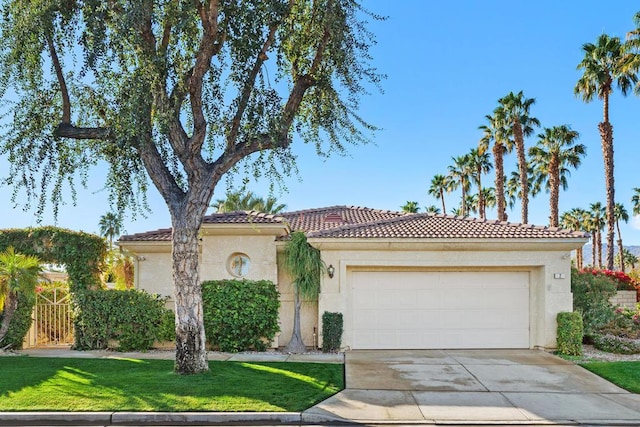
(450, 244)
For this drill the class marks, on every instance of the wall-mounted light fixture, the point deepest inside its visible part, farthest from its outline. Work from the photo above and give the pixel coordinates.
(331, 271)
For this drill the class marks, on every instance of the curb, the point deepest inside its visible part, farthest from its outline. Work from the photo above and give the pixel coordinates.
(148, 418)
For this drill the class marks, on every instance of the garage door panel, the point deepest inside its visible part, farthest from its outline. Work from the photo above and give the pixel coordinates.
(440, 310)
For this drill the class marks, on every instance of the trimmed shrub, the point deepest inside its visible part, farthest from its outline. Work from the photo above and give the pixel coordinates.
(331, 331)
(167, 329)
(20, 323)
(131, 318)
(570, 332)
(615, 344)
(240, 314)
(591, 294)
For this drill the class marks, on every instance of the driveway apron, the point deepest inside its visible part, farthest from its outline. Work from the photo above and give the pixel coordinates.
(474, 386)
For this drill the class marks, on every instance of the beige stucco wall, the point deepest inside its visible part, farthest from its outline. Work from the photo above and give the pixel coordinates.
(548, 264)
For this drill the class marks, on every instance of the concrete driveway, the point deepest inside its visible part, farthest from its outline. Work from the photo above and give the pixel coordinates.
(474, 386)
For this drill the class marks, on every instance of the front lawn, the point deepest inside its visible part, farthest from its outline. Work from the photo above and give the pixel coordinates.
(622, 374)
(57, 384)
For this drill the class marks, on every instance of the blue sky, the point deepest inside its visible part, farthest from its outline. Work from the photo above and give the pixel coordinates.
(447, 64)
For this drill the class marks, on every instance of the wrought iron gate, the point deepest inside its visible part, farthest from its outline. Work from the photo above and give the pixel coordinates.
(53, 322)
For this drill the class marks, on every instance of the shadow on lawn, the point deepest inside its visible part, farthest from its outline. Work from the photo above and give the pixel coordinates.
(151, 385)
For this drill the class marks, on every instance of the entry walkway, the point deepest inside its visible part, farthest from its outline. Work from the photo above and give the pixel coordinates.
(475, 387)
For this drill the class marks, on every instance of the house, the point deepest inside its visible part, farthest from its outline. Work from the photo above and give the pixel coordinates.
(402, 281)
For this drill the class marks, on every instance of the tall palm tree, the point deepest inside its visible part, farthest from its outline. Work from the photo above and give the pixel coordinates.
(636, 201)
(460, 176)
(410, 207)
(550, 157)
(620, 213)
(110, 225)
(440, 184)
(480, 164)
(18, 273)
(596, 223)
(495, 132)
(632, 48)
(627, 258)
(604, 65)
(515, 108)
(575, 220)
(489, 197)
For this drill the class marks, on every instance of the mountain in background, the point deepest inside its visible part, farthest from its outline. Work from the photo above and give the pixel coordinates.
(587, 251)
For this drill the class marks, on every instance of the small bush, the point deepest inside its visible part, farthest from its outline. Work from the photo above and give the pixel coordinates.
(240, 314)
(331, 331)
(615, 344)
(591, 293)
(132, 318)
(167, 329)
(570, 333)
(21, 321)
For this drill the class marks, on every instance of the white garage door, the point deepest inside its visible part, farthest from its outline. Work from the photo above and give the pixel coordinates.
(439, 310)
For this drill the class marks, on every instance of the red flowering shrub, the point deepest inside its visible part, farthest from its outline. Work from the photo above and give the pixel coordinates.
(622, 280)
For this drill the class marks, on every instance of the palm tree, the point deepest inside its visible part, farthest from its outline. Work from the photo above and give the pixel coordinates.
(480, 163)
(110, 225)
(18, 273)
(604, 65)
(305, 266)
(555, 150)
(575, 220)
(410, 207)
(239, 201)
(620, 213)
(632, 48)
(596, 223)
(515, 108)
(627, 258)
(636, 201)
(489, 197)
(495, 132)
(460, 174)
(513, 187)
(440, 184)
(432, 209)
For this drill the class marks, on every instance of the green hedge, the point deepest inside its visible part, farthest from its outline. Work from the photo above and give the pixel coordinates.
(240, 314)
(570, 332)
(20, 323)
(331, 331)
(131, 318)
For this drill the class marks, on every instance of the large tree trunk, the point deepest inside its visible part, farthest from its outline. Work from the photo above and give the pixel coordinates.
(522, 168)
(606, 135)
(10, 307)
(554, 190)
(296, 344)
(191, 354)
(498, 153)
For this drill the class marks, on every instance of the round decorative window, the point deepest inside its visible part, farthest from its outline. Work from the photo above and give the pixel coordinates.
(238, 265)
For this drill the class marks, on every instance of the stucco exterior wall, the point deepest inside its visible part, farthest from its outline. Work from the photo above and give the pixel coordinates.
(550, 273)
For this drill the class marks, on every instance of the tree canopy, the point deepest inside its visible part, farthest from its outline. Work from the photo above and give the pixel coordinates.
(180, 93)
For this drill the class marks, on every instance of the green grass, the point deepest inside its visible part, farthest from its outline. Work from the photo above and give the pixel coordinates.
(58, 384)
(622, 374)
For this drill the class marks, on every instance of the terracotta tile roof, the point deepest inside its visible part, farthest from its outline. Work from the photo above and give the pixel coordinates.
(311, 220)
(359, 222)
(437, 226)
(239, 217)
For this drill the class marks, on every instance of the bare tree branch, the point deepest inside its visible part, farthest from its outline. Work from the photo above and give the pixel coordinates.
(249, 85)
(66, 103)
